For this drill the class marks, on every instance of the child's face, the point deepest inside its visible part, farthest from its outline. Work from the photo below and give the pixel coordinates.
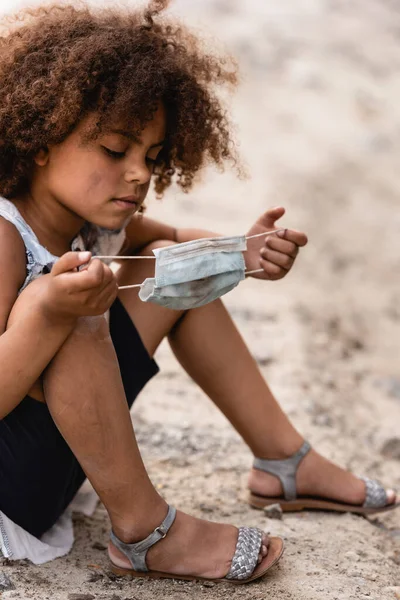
(89, 179)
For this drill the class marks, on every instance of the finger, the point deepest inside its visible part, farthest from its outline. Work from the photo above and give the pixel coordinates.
(273, 214)
(90, 278)
(100, 276)
(109, 275)
(272, 270)
(298, 237)
(97, 301)
(107, 296)
(94, 274)
(111, 286)
(70, 261)
(110, 283)
(277, 258)
(289, 248)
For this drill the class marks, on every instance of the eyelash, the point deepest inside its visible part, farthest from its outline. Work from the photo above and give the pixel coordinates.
(113, 154)
(118, 155)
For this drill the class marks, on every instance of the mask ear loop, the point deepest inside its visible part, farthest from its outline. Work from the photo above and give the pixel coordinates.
(139, 285)
(126, 287)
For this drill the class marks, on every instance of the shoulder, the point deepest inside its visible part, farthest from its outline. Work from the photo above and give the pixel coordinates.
(12, 259)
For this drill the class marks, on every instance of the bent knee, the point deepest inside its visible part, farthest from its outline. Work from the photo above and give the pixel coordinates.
(91, 327)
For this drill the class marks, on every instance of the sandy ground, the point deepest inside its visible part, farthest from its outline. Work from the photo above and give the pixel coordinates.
(318, 120)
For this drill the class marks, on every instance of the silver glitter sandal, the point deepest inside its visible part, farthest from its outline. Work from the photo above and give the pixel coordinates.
(244, 566)
(375, 495)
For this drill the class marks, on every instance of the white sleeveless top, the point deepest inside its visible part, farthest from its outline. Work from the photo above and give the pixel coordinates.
(39, 260)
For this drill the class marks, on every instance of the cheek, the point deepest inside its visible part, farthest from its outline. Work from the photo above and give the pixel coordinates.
(99, 182)
(95, 180)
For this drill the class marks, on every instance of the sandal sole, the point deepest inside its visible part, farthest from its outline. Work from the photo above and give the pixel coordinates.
(275, 552)
(315, 504)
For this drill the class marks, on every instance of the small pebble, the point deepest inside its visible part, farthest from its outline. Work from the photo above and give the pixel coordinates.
(93, 577)
(99, 546)
(273, 511)
(391, 448)
(351, 555)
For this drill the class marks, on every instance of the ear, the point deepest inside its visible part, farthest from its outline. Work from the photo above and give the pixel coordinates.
(42, 157)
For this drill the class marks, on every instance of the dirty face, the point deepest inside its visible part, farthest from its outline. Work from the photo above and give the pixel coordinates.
(104, 181)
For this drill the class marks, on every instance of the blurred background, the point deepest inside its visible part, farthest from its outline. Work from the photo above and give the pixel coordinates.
(317, 119)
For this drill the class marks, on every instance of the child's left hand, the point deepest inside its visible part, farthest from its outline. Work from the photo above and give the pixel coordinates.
(274, 254)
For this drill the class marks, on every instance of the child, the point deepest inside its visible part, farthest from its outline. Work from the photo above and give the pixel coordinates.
(95, 104)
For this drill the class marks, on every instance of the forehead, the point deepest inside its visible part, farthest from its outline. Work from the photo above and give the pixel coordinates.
(154, 130)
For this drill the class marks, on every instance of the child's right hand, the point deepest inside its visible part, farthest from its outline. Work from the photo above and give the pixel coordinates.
(70, 293)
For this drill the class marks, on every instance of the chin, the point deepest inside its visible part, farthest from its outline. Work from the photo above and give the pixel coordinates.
(113, 224)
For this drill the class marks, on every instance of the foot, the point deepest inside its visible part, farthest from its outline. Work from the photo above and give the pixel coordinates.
(192, 547)
(316, 476)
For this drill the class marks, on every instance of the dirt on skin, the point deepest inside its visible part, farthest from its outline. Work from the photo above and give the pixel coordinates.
(318, 120)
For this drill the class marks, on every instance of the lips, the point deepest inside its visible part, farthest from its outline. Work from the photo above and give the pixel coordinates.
(127, 202)
(133, 199)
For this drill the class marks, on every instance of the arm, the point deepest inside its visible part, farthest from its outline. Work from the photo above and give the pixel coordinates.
(23, 329)
(142, 231)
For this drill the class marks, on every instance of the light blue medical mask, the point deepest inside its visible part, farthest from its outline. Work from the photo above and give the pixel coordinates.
(195, 273)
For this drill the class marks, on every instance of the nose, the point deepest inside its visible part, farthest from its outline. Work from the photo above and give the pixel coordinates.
(139, 173)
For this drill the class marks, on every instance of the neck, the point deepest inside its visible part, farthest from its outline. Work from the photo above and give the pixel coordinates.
(54, 225)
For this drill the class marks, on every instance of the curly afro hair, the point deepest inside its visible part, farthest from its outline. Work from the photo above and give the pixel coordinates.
(60, 62)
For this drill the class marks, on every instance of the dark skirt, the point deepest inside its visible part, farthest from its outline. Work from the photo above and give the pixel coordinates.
(39, 474)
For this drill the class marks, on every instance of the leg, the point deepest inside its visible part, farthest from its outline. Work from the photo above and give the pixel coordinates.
(234, 382)
(92, 415)
(200, 339)
(84, 394)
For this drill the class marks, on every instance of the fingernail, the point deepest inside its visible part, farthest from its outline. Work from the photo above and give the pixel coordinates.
(282, 233)
(84, 256)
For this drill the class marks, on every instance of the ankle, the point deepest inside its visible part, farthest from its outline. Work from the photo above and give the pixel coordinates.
(140, 522)
(279, 448)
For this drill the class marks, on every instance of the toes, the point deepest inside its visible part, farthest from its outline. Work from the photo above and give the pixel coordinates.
(264, 548)
(265, 540)
(263, 553)
(391, 496)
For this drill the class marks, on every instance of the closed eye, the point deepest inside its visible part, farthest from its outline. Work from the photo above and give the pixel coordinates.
(112, 153)
(115, 154)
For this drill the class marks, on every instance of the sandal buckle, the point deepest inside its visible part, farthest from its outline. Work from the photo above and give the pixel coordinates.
(161, 531)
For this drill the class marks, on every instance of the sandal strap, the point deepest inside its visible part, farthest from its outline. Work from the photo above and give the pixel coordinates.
(285, 469)
(137, 552)
(375, 494)
(245, 559)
